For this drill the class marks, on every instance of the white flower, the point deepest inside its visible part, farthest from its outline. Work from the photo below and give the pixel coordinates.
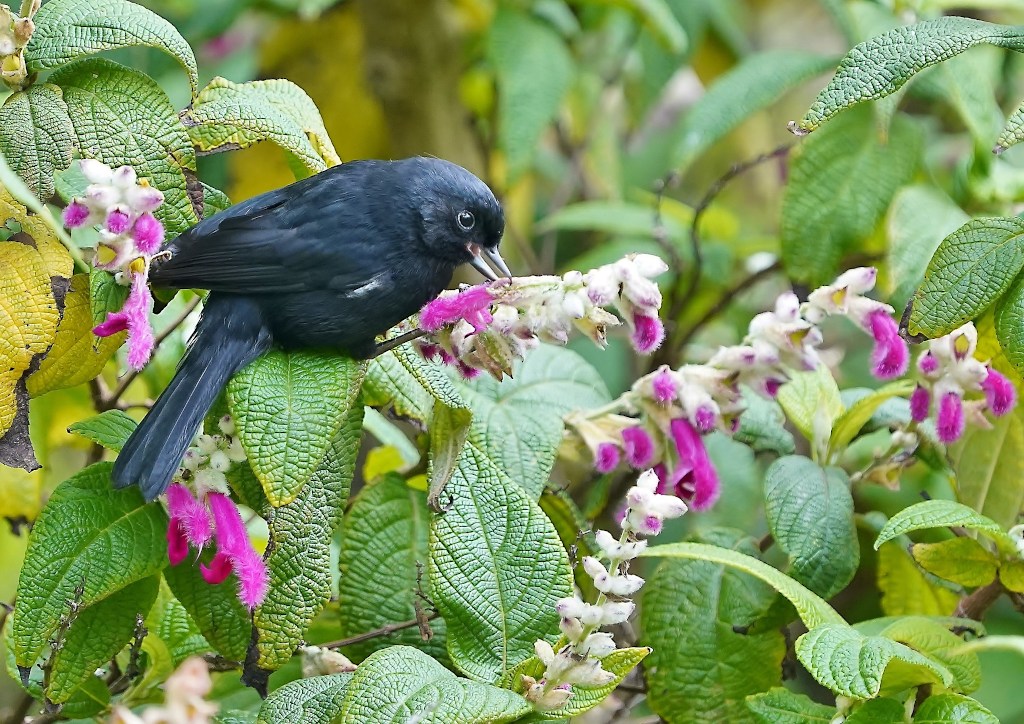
(613, 549)
(598, 645)
(589, 673)
(617, 585)
(613, 612)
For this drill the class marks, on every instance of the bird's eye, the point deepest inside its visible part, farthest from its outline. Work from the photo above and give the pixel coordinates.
(466, 220)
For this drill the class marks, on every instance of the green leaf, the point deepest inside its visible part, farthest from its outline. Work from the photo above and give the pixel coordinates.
(969, 83)
(944, 514)
(96, 635)
(110, 429)
(905, 589)
(810, 514)
(400, 682)
(288, 406)
(938, 642)
(214, 200)
(953, 709)
(228, 115)
(782, 706)
(971, 269)
(88, 535)
(840, 185)
(299, 558)
(169, 621)
(989, 466)
(534, 70)
(449, 430)
(811, 401)
(657, 17)
(757, 82)
(848, 663)
(37, 136)
(496, 569)
(762, 426)
(880, 66)
(517, 423)
(860, 412)
(69, 29)
(403, 379)
(877, 711)
(122, 117)
(316, 700)
(812, 609)
(105, 294)
(920, 217)
(690, 612)
(1013, 131)
(616, 218)
(960, 560)
(385, 536)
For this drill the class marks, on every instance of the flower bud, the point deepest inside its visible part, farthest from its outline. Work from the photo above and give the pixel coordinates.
(613, 612)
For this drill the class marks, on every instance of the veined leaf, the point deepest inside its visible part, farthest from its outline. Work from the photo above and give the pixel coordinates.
(288, 406)
(934, 640)
(971, 269)
(228, 115)
(810, 514)
(989, 466)
(48, 236)
(68, 29)
(960, 560)
(952, 709)
(782, 706)
(880, 66)
(105, 294)
(401, 682)
(37, 136)
(89, 535)
(762, 426)
(170, 623)
(811, 401)
(906, 590)
(315, 700)
(110, 428)
(411, 384)
(944, 514)
(859, 413)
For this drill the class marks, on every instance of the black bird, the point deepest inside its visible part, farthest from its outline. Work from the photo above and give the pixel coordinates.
(330, 261)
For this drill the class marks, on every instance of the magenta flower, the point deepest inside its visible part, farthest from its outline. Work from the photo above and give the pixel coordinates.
(148, 233)
(891, 355)
(950, 423)
(607, 457)
(648, 333)
(999, 393)
(927, 363)
(472, 305)
(190, 515)
(694, 478)
(664, 386)
(134, 317)
(920, 403)
(75, 214)
(118, 221)
(639, 446)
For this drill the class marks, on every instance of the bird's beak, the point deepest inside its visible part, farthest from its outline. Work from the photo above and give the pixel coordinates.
(481, 266)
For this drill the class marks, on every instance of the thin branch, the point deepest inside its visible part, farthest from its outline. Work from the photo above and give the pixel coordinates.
(385, 630)
(974, 605)
(20, 711)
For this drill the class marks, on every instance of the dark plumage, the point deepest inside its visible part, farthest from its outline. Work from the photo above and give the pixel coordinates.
(327, 262)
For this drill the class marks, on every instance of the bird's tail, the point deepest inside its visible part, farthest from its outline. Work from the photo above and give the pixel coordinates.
(230, 335)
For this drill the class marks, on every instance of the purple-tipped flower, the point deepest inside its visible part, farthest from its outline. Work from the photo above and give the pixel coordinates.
(218, 570)
(177, 542)
(704, 419)
(639, 447)
(664, 385)
(928, 364)
(75, 214)
(190, 514)
(233, 542)
(118, 221)
(950, 423)
(606, 458)
(148, 233)
(999, 393)
(920, 403)
(471, 305)
(694, 478)
(648, 333)
(134, 317)
(890, 356)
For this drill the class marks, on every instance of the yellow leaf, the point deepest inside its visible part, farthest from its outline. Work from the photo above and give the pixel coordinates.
(28, 316)
(21, 493)
(76, 356)
(1011, 574)
(382, 460)
(905, 589)
(56, 258)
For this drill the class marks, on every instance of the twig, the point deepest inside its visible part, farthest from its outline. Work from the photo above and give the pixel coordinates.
(215, 662)
(974, 605)
(385, 630)
(20, 711)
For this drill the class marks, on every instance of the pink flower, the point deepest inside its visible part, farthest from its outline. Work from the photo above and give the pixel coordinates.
(950, 425)
(890, 356)
(148, 233)
(648, 333)
(134, 316)
(927, 363)
(607, 457)
(664, 386)
(218, 570)
(920, 402)
(473, 305)
(233, 542)
(75, 214)
(177, 542)
(118, 221)
(704, 419)
(189, 514)
(694, 478)
(639, 447)
(999, 393)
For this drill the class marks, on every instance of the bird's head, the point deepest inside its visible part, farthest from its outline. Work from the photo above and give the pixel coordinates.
(462, 221)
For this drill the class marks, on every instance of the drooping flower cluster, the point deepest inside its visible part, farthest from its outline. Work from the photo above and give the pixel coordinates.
(185, 693)
(487, 327)
(584, 645)
(209, 515)
(122, 206)
(950, 374)
(661, 421)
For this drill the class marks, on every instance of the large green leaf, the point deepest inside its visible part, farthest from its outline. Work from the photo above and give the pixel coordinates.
(410, 384)
(755, 83)
(122, 117)
(110, 428)
(169, 621)
(37, 136)
(840, 184)
(385, 537)
(763, 426)
(288, 406)
(964, 561)
(228, 115)
(497, 568)
(782, 706)
(944, 514)
(936, 641)
(693, 616)
(534, 69)
(517, 423)
(89, 535)
(810, 514)
(970, 270)
(989, 467)
(881, 65)
(316, 700)
(402, 683)
(299, 558)
(905, 588)
(953, 709)
(68, 29)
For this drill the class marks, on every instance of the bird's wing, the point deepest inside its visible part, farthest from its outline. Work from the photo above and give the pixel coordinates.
(310, 235)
